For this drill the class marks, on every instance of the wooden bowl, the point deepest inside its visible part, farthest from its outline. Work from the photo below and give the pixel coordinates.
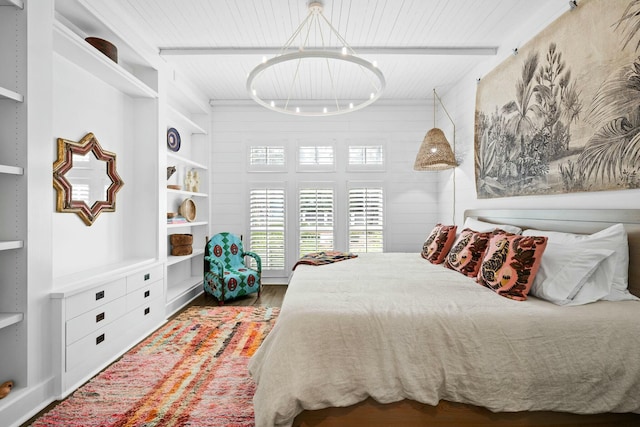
(174, 186)
(107, 48)
(188, 210)
(172, 214)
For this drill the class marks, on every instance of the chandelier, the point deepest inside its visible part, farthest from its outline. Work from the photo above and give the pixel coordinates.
(323, 77)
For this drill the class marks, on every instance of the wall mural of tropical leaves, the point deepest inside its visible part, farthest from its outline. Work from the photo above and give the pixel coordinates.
(563, 115)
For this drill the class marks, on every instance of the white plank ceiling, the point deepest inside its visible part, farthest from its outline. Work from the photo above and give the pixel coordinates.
(216, 43)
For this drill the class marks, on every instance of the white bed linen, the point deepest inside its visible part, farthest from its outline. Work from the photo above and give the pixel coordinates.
(393, 326)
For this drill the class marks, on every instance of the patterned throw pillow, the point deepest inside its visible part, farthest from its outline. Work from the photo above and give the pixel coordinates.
(466, 254)
(438, 243)
(510, 264)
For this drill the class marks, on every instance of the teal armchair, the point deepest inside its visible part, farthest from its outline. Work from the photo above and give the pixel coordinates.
(226, 276)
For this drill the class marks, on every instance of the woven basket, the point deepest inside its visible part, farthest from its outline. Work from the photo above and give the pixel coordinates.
(188, 210)
(181, 250)
(181, 239)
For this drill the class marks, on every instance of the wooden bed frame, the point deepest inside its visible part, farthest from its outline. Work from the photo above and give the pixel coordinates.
(408, 413)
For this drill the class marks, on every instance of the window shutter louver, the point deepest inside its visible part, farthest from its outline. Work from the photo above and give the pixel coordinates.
(316, 220)
(267, 226)
(366, 215)
(362, 155)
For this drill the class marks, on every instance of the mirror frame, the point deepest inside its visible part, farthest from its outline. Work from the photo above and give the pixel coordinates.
(64, 163)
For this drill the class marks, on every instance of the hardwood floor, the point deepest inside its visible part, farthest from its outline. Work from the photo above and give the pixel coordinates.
(271, 296)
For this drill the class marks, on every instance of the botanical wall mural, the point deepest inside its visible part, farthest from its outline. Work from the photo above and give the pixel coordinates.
(563, 115)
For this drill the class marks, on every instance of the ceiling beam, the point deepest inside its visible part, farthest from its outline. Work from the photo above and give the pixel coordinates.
(397, 50)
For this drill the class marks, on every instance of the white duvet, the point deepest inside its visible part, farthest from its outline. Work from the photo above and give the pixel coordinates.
(393, 326)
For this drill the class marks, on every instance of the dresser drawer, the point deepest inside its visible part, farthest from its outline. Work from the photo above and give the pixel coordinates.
(98, 346)
(95, 297)
(146, 276)
(145, 293)
(146, 316)
(90, 321)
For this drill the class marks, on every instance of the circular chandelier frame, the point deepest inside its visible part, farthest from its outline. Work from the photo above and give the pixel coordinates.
(346, 55)
(322, 54)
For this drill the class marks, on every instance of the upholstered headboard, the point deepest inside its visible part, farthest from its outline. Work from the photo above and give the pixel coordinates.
(584, 221)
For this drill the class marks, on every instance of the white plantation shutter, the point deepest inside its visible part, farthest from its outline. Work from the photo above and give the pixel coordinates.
(316, 158)
(366, 220)
(267, 226)
(361, 155)
(316, 218)
(266, 155)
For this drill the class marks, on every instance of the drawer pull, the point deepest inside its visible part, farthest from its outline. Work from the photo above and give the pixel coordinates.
(147, 276)
(99, 339)
(99, 295)
(100, 317)
(147, 311)
(147, 293)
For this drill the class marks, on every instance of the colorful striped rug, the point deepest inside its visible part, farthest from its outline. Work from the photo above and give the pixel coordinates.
(191, 372)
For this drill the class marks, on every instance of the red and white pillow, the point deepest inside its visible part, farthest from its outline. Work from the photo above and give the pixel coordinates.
(438, 243)
(467, 252)
(510, 264)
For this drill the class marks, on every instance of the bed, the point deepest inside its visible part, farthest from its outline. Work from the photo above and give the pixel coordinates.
(391, 339)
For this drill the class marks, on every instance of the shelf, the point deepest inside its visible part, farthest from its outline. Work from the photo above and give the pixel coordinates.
(183, 123)
(187, 224)
(186, 193)
(16, 3)
(186, 161)
(6, 245)
(9, 94)
(176, 290)
(171, 259)
(74, 48)
(11, 170)
(8, 319)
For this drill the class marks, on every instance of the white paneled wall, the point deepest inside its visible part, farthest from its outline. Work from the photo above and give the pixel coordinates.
(411, 197)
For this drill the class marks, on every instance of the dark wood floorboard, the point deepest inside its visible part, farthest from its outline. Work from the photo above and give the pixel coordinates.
(271, 296)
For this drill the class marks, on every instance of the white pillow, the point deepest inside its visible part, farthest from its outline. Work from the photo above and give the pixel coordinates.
(613, 238)
(482, 227)
(570, 275)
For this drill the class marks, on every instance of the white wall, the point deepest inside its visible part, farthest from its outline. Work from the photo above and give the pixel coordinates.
(460, 102)
(411, 197)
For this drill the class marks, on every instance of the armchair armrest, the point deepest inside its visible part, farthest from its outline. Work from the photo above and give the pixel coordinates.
(258, 260)
(215, 266)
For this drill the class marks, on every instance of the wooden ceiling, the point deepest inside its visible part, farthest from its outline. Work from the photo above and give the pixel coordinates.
(417, 44)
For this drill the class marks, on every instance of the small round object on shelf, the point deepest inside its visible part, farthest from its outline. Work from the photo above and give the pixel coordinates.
(174, 187)
(107, 48)
(173, 139)
(188, 210)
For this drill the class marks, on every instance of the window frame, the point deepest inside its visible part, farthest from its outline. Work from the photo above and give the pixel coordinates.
(273, 185)
(365, 184)
(372, 142)
(251, 168)
(318, 185)
(316, 168)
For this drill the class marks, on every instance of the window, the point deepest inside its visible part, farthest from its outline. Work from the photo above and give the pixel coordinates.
(316, 219)
(366, 155)
(316, 158)
(366, 209)
(364, 158)
(267, 158)
(267, 226)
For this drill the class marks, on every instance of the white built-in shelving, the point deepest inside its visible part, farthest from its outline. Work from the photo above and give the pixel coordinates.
(190, 118)
(14, 299)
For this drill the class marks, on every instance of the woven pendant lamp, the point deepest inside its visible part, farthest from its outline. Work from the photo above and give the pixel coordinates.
(435, 152)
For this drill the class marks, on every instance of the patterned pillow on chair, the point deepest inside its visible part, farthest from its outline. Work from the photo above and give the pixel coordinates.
(467, 252)
(510, 264)
(437, 245)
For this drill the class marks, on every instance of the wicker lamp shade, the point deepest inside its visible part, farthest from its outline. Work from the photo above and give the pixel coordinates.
(435, 153)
